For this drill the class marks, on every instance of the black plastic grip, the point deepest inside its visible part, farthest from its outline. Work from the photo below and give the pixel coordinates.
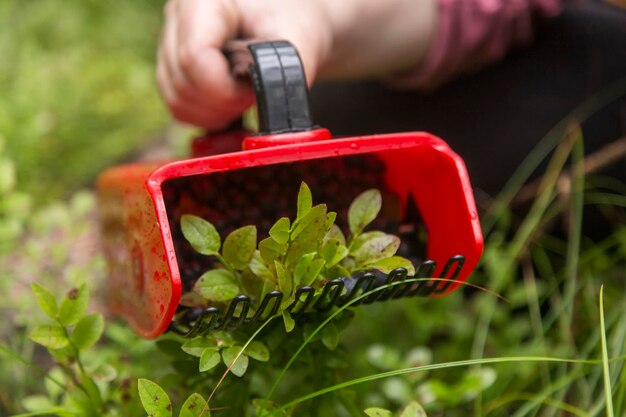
(281, 89)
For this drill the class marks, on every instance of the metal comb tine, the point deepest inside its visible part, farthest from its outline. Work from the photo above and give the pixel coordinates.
(426, 269)
(398, 274)
(404, 290)
(201, 325)
(458, 262)
(201, 321)
(309, 292)
(179, 328)
(244, 300)
(260, 315)
(337, 285)
(367, 277)
(379, 281)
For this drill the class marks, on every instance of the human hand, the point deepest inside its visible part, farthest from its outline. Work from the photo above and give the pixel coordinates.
(339, 39)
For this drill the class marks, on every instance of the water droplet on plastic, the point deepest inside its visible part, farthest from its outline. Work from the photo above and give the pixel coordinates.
(354, 146)
(473, 215)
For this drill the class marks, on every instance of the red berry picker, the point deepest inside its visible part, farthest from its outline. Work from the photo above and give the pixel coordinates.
(181, 237)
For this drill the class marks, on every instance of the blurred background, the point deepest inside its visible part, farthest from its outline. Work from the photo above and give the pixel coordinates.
(78, 94)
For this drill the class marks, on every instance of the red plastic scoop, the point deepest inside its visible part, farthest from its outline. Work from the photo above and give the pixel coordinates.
(151, 264)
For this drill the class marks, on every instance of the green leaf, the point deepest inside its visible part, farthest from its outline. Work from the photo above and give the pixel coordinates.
(285, 280)
(257, 350)
(92, 390)
(73, 306)
(195, 406)
(239, 247)
(413, 410)
(378, 412)
(329, 249)
(342, 252)
(104, 373)
(333, 252)
(289, 322)
(217, 285)
(363, 238)
(55, 389)
(301, 267)
(50, 335)
(330, 336)
(330, 220)
(315, 216)
(307, 236)
(201, 234)
(270, 249)
(379, 247)
(88, 331)
(307, 269)
(305, 200)
(280, 231)
(364, 210)
(80, 403)
(336, 233)
(37, 403)
(46, 300)
(338, 271)
(197, 345)
(209, 359)
(260, 269)
(154, 400)
(389, 264)
(238, 368)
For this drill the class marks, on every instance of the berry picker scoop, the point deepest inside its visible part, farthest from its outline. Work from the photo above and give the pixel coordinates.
(423, 184)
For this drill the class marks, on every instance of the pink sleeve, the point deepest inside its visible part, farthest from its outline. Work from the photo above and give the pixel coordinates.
(472, 33)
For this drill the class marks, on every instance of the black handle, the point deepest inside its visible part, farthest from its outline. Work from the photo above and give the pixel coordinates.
(279, 81)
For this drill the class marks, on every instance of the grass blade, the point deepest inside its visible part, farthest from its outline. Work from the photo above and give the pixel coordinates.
(432, 367)
(605, 359)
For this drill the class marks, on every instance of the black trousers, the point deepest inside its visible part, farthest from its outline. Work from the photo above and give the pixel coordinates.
(496, 116)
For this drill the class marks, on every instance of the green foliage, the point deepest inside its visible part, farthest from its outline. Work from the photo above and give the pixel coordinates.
(217, 285)
(73, 80)
(195, 406)
(209, 359)
(87, 331)
(69, 334)
(155, 401)
(364, 210)
(550, 276)
(73, 306)
(305, 252)
(238, 363)
(50, 335)
(46, 300)
(414, 409)
(201, 234)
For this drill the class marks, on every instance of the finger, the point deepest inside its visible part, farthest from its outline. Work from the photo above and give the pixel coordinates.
(168, 51)
(183, 110)
(204, 26)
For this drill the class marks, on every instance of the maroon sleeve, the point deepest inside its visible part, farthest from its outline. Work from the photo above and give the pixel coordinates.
(472, 33)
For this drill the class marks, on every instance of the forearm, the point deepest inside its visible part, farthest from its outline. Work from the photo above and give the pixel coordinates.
(374, 38)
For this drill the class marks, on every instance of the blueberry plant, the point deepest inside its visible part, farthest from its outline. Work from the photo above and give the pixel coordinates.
(236, 366)
(308, 250)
